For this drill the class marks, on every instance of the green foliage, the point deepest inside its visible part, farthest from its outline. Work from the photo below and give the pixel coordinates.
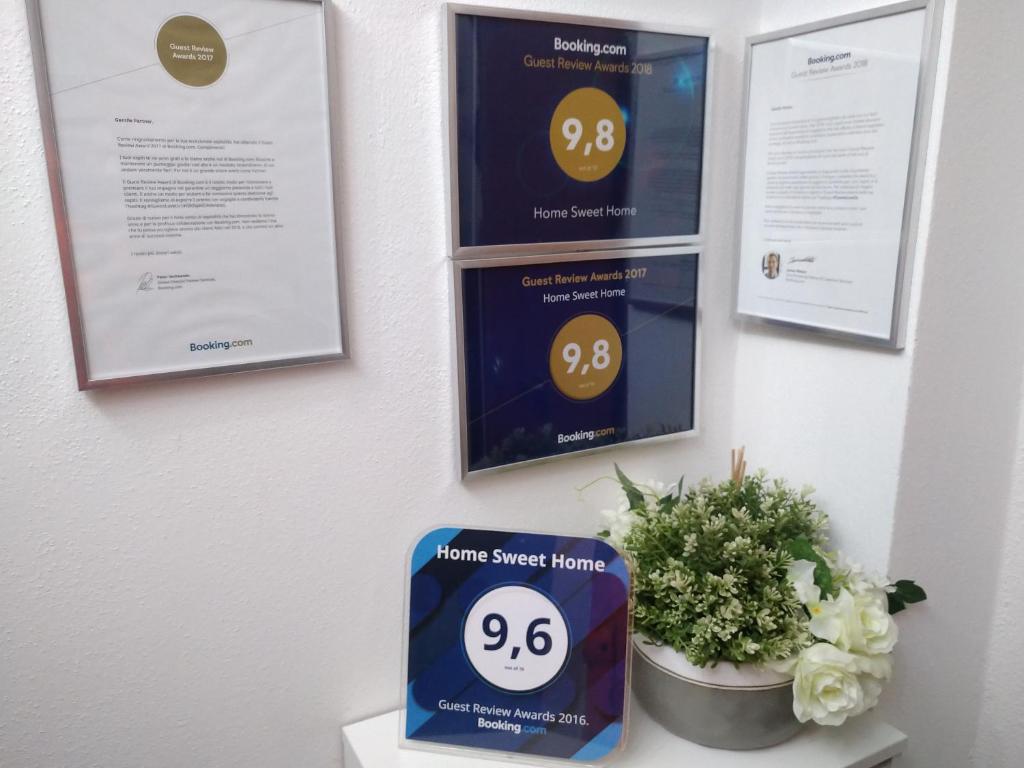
(802, 549)
(906, 593)
(634, 495)
(710, 567)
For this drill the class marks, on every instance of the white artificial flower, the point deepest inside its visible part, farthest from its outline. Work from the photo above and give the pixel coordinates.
(827, 686)
(872, 691)
(878, 630)
(877, 667)
(874, 670)
(857, 578)
(654, 491)
(856, 621)
(619, 522)
(837, 621)
(801, 575)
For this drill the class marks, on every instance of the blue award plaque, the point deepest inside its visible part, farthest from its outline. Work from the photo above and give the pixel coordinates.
(518, 643)
(560, 355)
(568, 131)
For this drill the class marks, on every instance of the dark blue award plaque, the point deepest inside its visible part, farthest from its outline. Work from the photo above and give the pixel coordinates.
(573, 354)
(567, 131)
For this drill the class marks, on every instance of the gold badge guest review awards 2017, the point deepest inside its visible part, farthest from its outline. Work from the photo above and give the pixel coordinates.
(192, 51)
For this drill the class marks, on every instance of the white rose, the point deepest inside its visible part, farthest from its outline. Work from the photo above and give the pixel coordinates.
(877, 667)
(878, 634)
(827, 687)
(874, 670)
(872, 690)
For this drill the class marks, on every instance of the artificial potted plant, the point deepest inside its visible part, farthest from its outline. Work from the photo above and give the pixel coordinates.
(747, 625)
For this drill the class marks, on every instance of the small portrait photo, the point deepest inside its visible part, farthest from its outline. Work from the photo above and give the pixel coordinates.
(771, 265)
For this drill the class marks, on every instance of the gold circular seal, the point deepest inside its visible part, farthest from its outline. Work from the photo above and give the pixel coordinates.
(192, 51)
(585, 357)
(588, 134)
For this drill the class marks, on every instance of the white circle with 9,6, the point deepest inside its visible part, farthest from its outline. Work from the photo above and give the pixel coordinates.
(516, 638)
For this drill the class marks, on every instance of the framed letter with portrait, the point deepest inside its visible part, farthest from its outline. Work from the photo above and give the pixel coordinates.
(836, 122)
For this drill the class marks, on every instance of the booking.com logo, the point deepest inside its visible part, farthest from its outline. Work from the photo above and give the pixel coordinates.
(225, 345)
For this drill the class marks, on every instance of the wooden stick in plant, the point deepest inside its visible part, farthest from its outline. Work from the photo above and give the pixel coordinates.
(739, 465)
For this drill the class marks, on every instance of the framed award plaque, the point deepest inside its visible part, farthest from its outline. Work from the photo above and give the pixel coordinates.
(569, 133)
(575, 353)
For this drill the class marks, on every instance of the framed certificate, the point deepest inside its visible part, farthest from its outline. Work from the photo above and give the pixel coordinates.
(836, 121)
(572, 354)
(190, 165)
(568, 133)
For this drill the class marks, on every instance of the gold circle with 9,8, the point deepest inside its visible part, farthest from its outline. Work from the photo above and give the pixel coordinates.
(587, 134)
(585, 357)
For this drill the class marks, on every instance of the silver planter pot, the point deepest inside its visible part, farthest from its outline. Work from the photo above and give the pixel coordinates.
(733, 714)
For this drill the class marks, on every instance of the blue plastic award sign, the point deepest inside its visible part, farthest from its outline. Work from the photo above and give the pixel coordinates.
(518, 643)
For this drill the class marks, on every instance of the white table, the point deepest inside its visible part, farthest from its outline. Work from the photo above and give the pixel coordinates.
(865, 742)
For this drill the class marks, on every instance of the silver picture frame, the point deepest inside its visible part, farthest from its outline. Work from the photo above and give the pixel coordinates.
(459, 251)
(923, 109)
(458, 267)
(37, 37)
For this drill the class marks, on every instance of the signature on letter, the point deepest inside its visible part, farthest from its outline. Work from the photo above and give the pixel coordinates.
(146, 281)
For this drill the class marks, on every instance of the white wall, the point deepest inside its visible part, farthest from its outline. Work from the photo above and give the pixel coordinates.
(1000, 739)
(961, 437)
(211, 572)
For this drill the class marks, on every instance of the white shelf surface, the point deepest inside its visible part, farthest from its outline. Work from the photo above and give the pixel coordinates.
(864, 742)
